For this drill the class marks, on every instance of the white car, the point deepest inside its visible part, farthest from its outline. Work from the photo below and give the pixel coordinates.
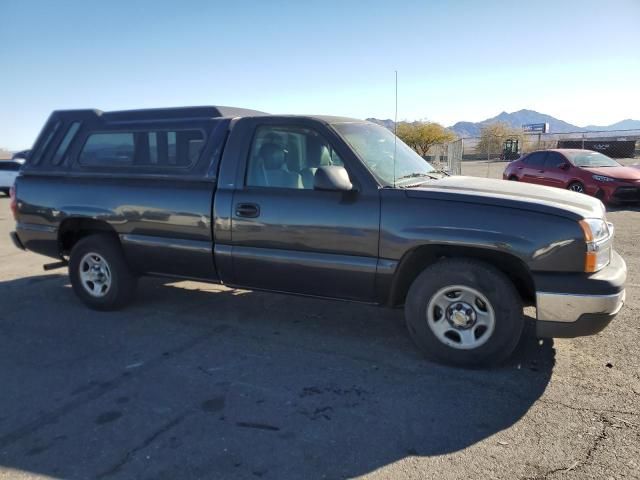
(9, 170)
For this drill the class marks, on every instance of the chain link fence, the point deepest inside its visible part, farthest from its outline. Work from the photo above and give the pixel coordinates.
(447, 156)
(488, 156)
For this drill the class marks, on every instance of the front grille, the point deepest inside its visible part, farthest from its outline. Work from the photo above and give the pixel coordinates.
(627, 194)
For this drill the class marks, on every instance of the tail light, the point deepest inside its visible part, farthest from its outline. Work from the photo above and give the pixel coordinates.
(14, 202)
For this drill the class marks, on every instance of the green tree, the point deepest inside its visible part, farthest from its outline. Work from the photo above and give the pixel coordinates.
(493, 136)
(422, 136)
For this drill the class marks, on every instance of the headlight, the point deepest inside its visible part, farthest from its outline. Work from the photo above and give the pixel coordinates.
(595, 229)
(597, 235)
(602, 178)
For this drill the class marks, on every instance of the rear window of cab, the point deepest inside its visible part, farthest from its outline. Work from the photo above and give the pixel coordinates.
(174, 148)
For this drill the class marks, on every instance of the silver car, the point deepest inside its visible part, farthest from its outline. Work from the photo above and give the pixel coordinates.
(9, 170)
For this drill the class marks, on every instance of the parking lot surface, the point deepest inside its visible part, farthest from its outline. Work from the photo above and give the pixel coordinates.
(201, 381)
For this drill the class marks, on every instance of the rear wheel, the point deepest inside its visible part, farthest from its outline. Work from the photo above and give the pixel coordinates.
(576, 187)
(99, 273)
(464, 312)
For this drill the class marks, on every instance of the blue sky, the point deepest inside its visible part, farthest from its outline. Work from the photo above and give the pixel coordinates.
(457, 60)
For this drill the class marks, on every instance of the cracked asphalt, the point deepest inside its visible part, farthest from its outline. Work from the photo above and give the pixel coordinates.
(201, 381)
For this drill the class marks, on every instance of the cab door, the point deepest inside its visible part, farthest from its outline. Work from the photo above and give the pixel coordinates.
(288, 237)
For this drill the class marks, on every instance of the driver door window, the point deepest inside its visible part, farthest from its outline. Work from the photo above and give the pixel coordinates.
(554, 161)
(288, 157)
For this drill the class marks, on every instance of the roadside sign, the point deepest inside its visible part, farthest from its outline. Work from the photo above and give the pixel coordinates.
(536, 127)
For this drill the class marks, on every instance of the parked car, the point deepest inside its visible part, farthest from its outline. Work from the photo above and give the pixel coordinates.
(582, 171)
(8, 172)
(313, 205)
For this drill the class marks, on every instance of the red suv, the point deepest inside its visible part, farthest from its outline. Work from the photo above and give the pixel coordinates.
(582, 171)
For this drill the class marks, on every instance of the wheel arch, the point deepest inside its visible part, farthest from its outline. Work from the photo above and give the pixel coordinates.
(74, 229)
(576, 180)
(419, 258)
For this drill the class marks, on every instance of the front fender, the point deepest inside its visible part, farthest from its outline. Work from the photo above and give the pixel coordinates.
(542, 241)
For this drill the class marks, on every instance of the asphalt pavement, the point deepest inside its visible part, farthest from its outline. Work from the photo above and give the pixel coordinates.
(201, 381)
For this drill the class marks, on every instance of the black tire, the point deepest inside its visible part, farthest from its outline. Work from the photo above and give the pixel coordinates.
(503, 298)
(122, 281)
(5, 191)
(576, 187)
(513, 178)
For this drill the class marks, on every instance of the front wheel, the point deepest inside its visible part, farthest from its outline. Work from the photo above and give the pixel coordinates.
(576, 187)
(464, 312)
(99, 273)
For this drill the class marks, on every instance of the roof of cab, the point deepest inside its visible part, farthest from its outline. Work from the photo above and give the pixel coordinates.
(178, 113)
(329, 119)
(174, 113)
(336, 119)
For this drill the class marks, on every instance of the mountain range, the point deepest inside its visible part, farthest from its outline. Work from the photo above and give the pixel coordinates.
(522, 117)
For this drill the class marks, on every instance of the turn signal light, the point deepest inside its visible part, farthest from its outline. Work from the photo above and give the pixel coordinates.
(591, 262)
(586, 230)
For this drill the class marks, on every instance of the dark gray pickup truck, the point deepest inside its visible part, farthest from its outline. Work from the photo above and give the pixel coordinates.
(314, 205)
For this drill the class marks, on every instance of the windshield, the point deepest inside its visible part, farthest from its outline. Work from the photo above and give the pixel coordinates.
(375, 146)
(592, 159)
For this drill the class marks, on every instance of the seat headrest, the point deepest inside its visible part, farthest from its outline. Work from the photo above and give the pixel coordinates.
(272, 156)
(325, 157)
(317, 153)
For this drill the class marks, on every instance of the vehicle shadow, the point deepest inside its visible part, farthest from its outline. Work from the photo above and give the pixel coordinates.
(625, 207)
(195, 380)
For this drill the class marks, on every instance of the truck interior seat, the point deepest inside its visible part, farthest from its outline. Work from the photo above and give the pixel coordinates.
(292, 151)
(317, 156)
(271, 171)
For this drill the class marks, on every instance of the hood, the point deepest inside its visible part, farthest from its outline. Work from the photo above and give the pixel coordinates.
(514, 194)
(620, 173)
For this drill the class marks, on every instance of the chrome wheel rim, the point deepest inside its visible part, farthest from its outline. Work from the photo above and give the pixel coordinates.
(95, 275)
(576, 187)
(461, 317)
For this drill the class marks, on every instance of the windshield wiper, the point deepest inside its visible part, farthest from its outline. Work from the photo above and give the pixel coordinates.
(417, 174)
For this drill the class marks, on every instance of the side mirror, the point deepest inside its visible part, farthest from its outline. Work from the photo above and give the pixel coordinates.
(333, 178)
(564, 166)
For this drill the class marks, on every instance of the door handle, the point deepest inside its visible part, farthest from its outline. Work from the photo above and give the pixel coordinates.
(247, 210)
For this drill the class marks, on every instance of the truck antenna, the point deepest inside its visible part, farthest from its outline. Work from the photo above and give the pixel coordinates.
(395, 133)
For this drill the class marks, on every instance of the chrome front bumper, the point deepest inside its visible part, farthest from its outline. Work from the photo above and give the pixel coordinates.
(576, 305)
(564, 307)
